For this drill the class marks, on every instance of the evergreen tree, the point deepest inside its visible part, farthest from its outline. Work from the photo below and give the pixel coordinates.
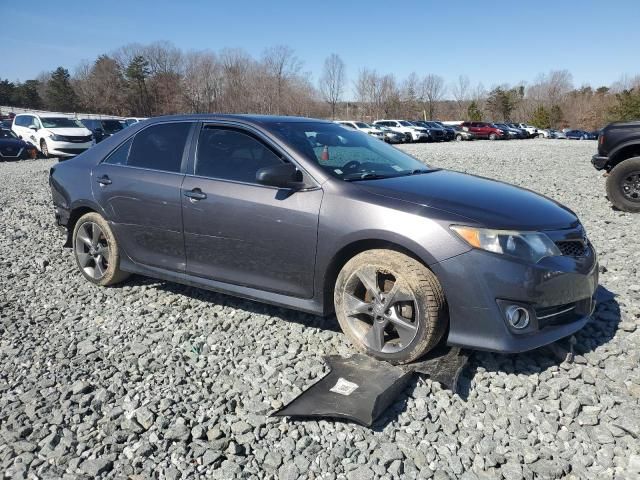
(627, 106)
(474, 113)
(556, 116)
(501, 103)
(541, 118)
(136, 74)
(7, 92)
(60, 94)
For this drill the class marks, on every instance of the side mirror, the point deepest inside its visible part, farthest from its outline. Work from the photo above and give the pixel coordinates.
(284, 175)
(34, 128)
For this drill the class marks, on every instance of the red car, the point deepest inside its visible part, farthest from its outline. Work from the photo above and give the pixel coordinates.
(483, 130)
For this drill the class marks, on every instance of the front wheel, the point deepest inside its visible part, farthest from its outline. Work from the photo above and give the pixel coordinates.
(623, 185)
(390, 306)
(44, 149)
(493, 136)
(96, 251)
(458, 138)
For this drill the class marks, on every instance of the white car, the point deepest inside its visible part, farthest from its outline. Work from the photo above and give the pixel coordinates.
(127, 122)
(544, 133)
(55, 135)
(417, 134)
(363, 127)
(531, 130)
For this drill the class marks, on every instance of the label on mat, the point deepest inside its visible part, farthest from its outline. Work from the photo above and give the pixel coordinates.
(344, 387)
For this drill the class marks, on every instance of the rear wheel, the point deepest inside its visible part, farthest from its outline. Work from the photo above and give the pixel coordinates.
(458, 138)
(96, 250)
(623, 185)
(390, 306)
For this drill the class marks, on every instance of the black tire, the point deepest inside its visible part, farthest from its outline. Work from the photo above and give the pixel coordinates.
(493, 136)
(428, 307)
(628, 201)
(109, 246)
(44, 149)
(459, 138)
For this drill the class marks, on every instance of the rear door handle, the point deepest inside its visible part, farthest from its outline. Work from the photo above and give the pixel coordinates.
(104, 180)
(195, 195)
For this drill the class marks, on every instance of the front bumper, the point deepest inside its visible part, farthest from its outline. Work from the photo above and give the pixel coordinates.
(557, 291)
(67, 149)
(599, 161)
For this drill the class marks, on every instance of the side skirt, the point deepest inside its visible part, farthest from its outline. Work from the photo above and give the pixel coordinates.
(308, 305)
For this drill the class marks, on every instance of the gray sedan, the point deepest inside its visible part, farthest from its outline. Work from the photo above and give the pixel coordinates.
(306, 214)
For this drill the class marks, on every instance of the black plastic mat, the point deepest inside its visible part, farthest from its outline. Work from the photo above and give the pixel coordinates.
(360, 388)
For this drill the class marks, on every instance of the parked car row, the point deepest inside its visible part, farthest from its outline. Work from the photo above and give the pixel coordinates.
(56, 135)
(434, 131)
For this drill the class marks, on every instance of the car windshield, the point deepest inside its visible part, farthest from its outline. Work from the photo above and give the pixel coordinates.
(111, 126)
(7, 134)
(60, 122)
(362, 125)
(345, 154)
(404, 123)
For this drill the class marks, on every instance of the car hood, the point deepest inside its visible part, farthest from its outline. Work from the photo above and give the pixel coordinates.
(70, 132)
(12, 142)
(490, 203)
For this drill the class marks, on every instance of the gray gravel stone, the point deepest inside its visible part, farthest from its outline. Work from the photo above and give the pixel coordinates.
(151, 379)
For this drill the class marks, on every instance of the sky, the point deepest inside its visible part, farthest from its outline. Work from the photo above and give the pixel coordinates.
(492, 42)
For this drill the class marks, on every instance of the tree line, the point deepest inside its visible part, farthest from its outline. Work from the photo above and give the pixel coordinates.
(159, 79)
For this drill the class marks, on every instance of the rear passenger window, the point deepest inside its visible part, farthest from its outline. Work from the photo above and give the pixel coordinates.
(119, 155)
(232, 155)
(160, 147)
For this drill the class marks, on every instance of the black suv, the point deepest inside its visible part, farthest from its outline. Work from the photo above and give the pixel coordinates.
(102, 128)
(619, 154)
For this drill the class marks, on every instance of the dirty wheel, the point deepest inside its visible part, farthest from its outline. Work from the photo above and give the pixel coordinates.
(623, 185)
(44, 149)
(96, 251)
(390, 305)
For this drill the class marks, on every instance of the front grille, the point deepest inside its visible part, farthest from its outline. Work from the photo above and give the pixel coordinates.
(76, 139)
(573, 248)
(71, 151)
(10, 151)
(563, 314)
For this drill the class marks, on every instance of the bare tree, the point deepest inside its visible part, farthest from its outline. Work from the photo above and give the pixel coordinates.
(202, 82)
(281, 64)
(433, 90)
(460, 92)
(332, 81)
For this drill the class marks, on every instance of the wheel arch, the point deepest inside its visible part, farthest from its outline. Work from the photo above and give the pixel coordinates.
(623, 153)
(76, 212)
(349, 251)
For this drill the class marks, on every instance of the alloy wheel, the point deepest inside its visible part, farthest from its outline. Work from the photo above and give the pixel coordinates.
(44, 149)
(381, 309)
(92, 250)
(631, 186)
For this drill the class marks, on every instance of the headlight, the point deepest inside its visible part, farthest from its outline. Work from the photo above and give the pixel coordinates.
(530, 246)
(56, 138)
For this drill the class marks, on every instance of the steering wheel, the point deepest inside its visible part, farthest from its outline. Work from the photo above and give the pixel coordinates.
(352, 165)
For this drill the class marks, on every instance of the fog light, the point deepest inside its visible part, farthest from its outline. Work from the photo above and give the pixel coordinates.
(517, 316)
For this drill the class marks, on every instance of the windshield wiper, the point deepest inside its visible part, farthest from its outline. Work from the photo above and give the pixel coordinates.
(366, 176)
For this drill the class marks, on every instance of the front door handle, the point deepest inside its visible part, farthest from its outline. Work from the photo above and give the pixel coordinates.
(104, 180)
(195, 195)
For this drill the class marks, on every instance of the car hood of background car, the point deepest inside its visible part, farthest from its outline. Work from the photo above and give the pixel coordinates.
(70, 132)
(15, 142)
(486, 202)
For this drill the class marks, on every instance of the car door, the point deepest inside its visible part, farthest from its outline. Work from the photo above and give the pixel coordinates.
(240, 232)
(138, 188)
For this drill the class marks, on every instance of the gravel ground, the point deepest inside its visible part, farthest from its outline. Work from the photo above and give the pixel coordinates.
(156, 380)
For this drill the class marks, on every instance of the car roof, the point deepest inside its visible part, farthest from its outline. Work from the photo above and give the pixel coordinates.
(243, 118)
